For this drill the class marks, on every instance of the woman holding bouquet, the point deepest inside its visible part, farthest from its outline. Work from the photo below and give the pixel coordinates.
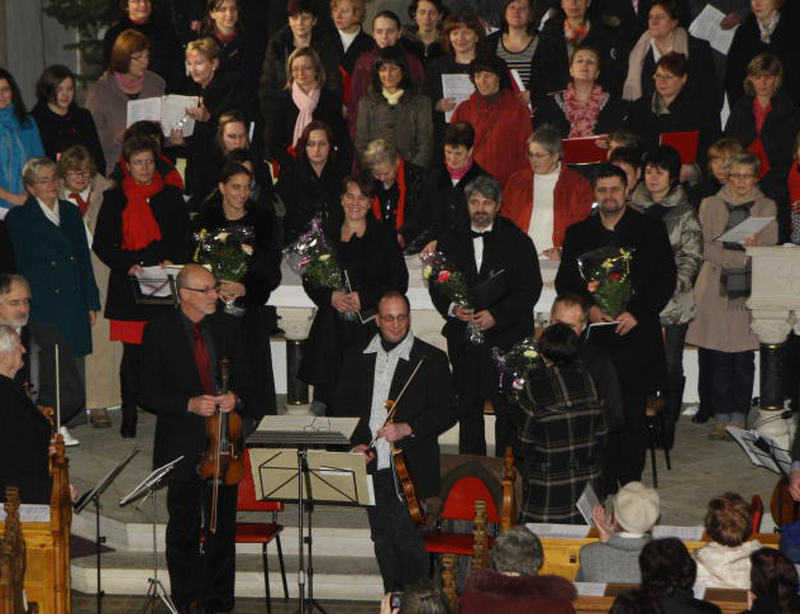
(232, 211)
(371, 259)
(142, 222)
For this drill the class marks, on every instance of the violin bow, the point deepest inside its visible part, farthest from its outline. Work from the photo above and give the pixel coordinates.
(391, 414)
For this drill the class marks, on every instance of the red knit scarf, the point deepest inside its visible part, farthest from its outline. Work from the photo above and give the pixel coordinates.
(575, 35)
(400, 213)
(582, 116)
(757, 147)
(139, 227)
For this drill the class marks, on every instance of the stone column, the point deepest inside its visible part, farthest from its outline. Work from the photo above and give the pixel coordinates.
(774, 303)
(296, 324)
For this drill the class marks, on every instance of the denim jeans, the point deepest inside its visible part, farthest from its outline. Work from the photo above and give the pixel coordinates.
(730, 379)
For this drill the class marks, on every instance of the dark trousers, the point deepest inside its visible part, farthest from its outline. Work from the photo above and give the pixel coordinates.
(674, 338)
(207, 578)
(398, 544)
(730, 377)
(129, 374)
(471, 425)
(626, 449)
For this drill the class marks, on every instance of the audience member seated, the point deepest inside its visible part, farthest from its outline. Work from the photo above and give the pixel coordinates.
(139, 15)
(223, 24)
(142, 222)
(663, 37)
(443, 206)
(674, 107)
(721, 326)
(303, 100)
(725, 561)
(395, 112)
(770, 28)
(367, 250)
(561, 432)
(398, 187)
(518, 42)
(546, 198)
(386, 28)
(424, 598)
(773, 583)
(501, 122)
(662, 196)
(584, 108)
(233, 208)
(311, 185)
(127, 78)
(715, 174)
(302, 31)
(62, 123)
(615, 558)
(766, 121)
(629, 159)
(219, 92)
(668, 576)
(21, 143)
(569, 28)
(513, 583)
(423, 35)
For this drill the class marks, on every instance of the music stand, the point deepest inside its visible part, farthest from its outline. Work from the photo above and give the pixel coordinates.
(94, 496)
(302, 440)
(156, 279)
(148, 488)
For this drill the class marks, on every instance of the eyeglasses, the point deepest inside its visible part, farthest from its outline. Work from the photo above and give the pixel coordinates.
(45, 181)
(78, 174)
(204, 289)
(661, 76)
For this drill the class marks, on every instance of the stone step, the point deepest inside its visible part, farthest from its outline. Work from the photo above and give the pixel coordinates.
(335, 577)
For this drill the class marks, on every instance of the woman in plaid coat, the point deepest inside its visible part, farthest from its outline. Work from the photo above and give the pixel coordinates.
(562, 439)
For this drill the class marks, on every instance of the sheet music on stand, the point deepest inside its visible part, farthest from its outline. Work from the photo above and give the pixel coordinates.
(151, 482)
(288, 431)
(763, 450)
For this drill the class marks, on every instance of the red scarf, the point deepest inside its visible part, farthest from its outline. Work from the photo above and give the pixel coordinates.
(582, 116)
(139, 227)
(347, 80)
(225, 39)
(400, 212)
(757, 147)
(575, 35)
(794, 184)
(83, 205)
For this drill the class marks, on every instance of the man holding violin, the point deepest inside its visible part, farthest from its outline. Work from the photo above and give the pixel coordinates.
(401, 389)
(181, 355)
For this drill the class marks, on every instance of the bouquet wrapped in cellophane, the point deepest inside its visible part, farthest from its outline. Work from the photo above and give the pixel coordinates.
(607, 273)
(514, 368)
(228, 252)
(438, 271)
(311, 257)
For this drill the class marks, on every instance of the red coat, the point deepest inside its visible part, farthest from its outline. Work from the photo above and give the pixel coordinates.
(487, 591)
(572, 200)
(501, 132)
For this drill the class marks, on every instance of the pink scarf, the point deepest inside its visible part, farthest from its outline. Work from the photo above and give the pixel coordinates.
(582, 116)
(458, 174)
(306, 103)
(127, 82)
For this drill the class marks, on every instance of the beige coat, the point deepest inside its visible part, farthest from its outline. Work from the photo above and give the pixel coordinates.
(719, 323)
(109, 107)
(725, 567)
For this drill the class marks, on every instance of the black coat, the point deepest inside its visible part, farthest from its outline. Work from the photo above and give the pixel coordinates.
(685, 603)
(279, 126)
(24, 442)
(347, 59)
(626, 25)
(7, 262)
(170, 214)
(169, 378)
(653, 275)
(444, 65)
(414, 179)
(747, 44)
(427, 406)
(306, 195)
(548, 111)
(374, 264)
(59, 132)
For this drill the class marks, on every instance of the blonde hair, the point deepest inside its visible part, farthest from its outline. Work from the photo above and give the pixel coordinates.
(204, 46)
(305, 52)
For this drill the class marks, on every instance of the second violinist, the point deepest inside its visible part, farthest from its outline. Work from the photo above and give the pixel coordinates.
(372, 375)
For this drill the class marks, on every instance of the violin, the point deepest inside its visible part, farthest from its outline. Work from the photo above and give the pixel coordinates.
(222, 462)
(784, 509)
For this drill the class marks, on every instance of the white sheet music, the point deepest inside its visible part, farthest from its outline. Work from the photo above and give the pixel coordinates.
(687, 534)
(590, 589)
(706, 26)
(456, 86)
(293, 424)
(143, 109)
(558, 531)
(154, 280)
(169, 111)
(750, 226)
(587, 502)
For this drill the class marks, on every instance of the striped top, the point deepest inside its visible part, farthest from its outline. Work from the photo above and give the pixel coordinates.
(520, 61)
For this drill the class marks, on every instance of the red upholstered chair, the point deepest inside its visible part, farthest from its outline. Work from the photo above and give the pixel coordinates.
(757, 511)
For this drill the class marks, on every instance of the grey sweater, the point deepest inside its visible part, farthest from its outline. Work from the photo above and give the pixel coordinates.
(615, 561)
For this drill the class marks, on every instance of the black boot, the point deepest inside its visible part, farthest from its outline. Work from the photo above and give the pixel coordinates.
(129, 418)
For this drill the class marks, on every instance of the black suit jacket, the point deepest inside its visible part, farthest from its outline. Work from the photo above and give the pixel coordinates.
(169, 378)
(24, 442)
(428, 406)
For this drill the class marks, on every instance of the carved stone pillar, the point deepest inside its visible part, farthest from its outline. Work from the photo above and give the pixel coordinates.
(775, 304)
(296, 324)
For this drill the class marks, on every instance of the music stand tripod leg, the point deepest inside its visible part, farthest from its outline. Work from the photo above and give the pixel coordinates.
(156, 591)
(309, 540)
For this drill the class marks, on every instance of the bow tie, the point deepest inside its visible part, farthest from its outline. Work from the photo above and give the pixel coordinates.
(479, 235)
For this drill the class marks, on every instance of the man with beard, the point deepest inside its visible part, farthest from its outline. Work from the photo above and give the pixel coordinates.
(490, 247)
(636, 345)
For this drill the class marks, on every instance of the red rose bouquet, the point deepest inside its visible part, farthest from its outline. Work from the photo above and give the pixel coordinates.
(607, 272)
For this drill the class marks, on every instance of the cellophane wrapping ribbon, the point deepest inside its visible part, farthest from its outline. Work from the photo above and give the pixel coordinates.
(514, 368)
(311, 257)
(607, 271)
(439, 272)
(228, 252)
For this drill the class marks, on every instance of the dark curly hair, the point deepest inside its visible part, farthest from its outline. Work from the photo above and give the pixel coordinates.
(772, 574)
(666, 567)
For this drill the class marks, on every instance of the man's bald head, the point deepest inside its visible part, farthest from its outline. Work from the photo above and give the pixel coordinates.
(197, 288)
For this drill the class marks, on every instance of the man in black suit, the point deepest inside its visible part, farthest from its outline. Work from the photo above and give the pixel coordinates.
(180, 354)
(489, 246)
(635, 346)
(370, 377)
(24, 430)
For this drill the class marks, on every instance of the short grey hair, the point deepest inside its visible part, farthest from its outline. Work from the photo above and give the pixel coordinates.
(34, 166)
(7, 280)
(487, 186)
(378, 152)
(518, 550)
(548, 138)
(9, 339)
(744, 158)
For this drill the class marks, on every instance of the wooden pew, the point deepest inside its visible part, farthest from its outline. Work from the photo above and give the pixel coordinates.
(47, 573)
(730, 601)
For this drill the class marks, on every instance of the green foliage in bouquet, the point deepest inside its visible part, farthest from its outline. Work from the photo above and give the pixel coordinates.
(607, 272)
(227, 251)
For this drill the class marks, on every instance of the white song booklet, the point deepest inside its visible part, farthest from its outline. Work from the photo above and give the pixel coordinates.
(169, 111)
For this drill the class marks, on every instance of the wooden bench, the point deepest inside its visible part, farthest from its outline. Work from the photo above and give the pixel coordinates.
(730, 601)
